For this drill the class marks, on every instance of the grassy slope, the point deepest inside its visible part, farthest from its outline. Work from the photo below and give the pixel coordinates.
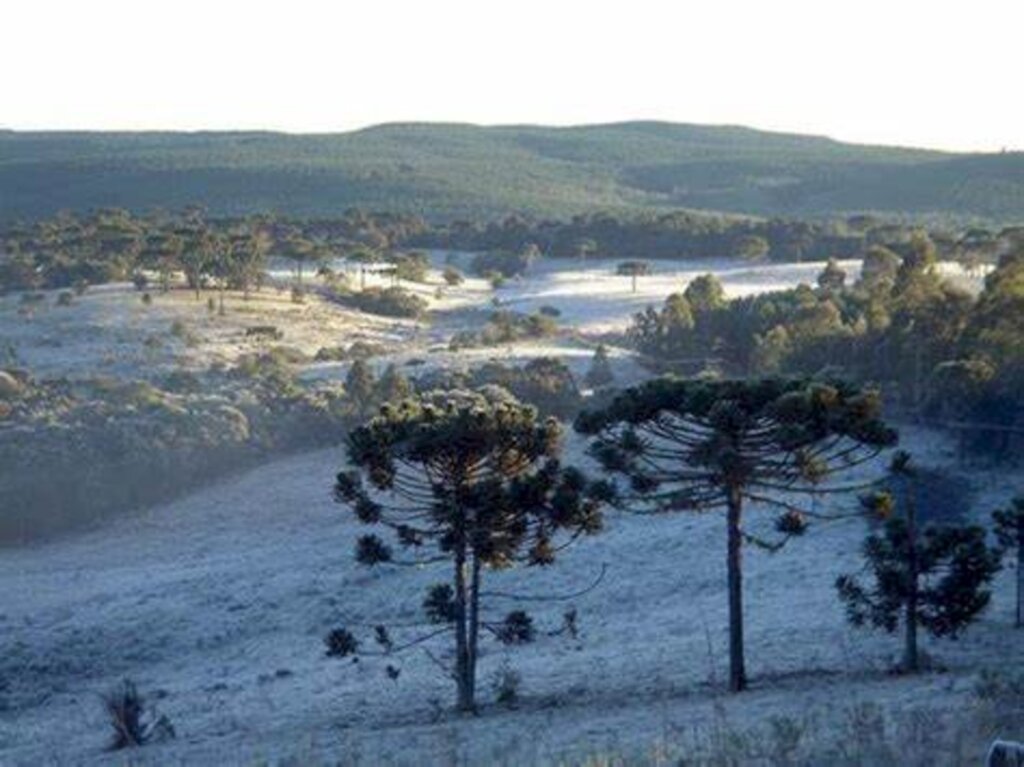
(444, 170)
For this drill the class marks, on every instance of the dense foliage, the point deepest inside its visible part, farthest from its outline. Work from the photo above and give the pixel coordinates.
(934, 349)
(444, 171)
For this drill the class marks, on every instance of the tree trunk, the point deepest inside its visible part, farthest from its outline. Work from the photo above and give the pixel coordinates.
(1020, 574)
(474, 628)
(911, 660)
(737, 670)
(463, 674)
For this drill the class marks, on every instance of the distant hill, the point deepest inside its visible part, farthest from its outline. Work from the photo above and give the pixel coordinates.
(447, 171)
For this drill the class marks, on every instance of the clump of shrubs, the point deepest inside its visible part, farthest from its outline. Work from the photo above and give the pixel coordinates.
(390, 302)
(355, 351)
(505, 327)
(65, 298)
(411, 266)
(504, 263)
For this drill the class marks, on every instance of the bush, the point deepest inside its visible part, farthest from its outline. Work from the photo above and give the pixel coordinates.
(134, 724)
(517, 628)
(270, 332)
(506, 686)
(411, 266)
(65, 298)
(505, 327)
(501, 263)
(358, 350)
(390, 302)
(341, 643)
(183, 333)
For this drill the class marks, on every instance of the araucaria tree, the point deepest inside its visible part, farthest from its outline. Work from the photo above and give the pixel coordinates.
(699, 446)
(475, 484)
(933, 578)
(1009, 524)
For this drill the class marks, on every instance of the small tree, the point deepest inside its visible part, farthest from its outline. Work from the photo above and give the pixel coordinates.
(452, 276)
(752, 247)
(701, 445)
(1009, 524)
(393, 386)
(832, 277)
(360, 387)
(705, 293)
(933, 578)
(633, 269)
(584, 247)
(478, 481)
(600, 373)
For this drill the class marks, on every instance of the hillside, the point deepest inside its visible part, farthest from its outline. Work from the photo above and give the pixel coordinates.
(446, 171)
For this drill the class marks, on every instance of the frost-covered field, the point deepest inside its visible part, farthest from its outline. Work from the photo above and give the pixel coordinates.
(109, 331)
(217, 604)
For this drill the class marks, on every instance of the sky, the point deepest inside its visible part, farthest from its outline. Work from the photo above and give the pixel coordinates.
(936, 74)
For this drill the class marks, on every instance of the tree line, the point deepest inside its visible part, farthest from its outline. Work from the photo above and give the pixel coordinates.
(114, 245)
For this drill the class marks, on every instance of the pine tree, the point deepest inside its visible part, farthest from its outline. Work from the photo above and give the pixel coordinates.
(481, 484)
(699, 445)
(600, 373)
(1009, 524)
(360, 387)
(932, 578)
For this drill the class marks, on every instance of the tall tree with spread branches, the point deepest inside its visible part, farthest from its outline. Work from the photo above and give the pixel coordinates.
(698, 445)
(472, 483)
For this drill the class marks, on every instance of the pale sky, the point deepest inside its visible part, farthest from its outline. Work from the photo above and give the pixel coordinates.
(939, 74)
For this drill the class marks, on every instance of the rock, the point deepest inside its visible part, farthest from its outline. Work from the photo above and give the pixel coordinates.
(10, 387)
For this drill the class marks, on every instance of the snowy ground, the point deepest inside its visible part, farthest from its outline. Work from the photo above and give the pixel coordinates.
(218, 603)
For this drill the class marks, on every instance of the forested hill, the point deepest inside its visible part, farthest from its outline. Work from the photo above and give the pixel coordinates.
(448, 171)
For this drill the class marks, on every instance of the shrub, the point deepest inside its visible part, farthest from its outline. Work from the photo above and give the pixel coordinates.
(65, 298)
(271, 332)
(506, 686)
(517, 628)
(341, 643)
(134, 724)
